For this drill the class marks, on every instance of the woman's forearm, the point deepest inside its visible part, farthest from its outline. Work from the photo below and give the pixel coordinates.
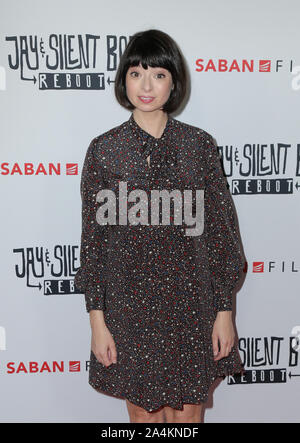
(97, 318)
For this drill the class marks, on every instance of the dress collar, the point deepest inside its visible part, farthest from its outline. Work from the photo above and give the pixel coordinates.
(143, 135)
(165, 157)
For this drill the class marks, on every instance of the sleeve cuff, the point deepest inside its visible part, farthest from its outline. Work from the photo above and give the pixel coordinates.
(95, 299)
(94, 294)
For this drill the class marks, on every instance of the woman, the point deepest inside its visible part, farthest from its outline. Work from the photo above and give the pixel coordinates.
(159, 300)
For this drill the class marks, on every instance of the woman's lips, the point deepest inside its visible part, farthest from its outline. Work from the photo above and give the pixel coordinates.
(146, 99)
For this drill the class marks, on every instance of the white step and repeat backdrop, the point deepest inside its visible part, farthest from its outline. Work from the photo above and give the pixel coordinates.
(58, 62)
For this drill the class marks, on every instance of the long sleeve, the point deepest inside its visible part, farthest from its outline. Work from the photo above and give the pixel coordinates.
(90, 277)
(225, 257)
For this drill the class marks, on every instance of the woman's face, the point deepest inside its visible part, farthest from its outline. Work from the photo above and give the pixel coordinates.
(141, 83)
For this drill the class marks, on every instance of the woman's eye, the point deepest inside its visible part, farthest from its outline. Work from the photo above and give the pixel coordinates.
(135, 74)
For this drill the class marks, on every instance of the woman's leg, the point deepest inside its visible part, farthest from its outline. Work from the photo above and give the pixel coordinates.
(190, 414)
(140, 415)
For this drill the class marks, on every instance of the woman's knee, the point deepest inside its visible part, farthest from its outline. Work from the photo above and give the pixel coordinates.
(191, 413)
(138, 414)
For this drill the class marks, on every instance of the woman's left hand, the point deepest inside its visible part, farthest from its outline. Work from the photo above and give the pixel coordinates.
(223, 333)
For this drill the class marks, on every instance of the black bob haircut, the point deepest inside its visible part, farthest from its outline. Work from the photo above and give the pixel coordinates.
(156, 49)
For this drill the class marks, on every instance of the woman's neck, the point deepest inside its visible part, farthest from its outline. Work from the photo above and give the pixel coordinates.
(152, 122)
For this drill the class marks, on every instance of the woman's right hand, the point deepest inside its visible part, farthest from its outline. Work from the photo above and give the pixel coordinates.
(103, 345)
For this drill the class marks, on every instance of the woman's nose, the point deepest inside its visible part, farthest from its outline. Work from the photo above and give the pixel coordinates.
(146, 84)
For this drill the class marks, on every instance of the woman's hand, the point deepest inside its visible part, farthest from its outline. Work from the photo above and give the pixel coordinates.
(103, 345)
(223, 333)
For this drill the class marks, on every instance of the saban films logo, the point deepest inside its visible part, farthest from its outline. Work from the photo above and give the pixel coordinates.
(45, 169)
(44, 367)
(260, 267)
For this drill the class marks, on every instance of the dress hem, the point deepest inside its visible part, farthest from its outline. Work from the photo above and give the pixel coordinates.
(179, 406)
